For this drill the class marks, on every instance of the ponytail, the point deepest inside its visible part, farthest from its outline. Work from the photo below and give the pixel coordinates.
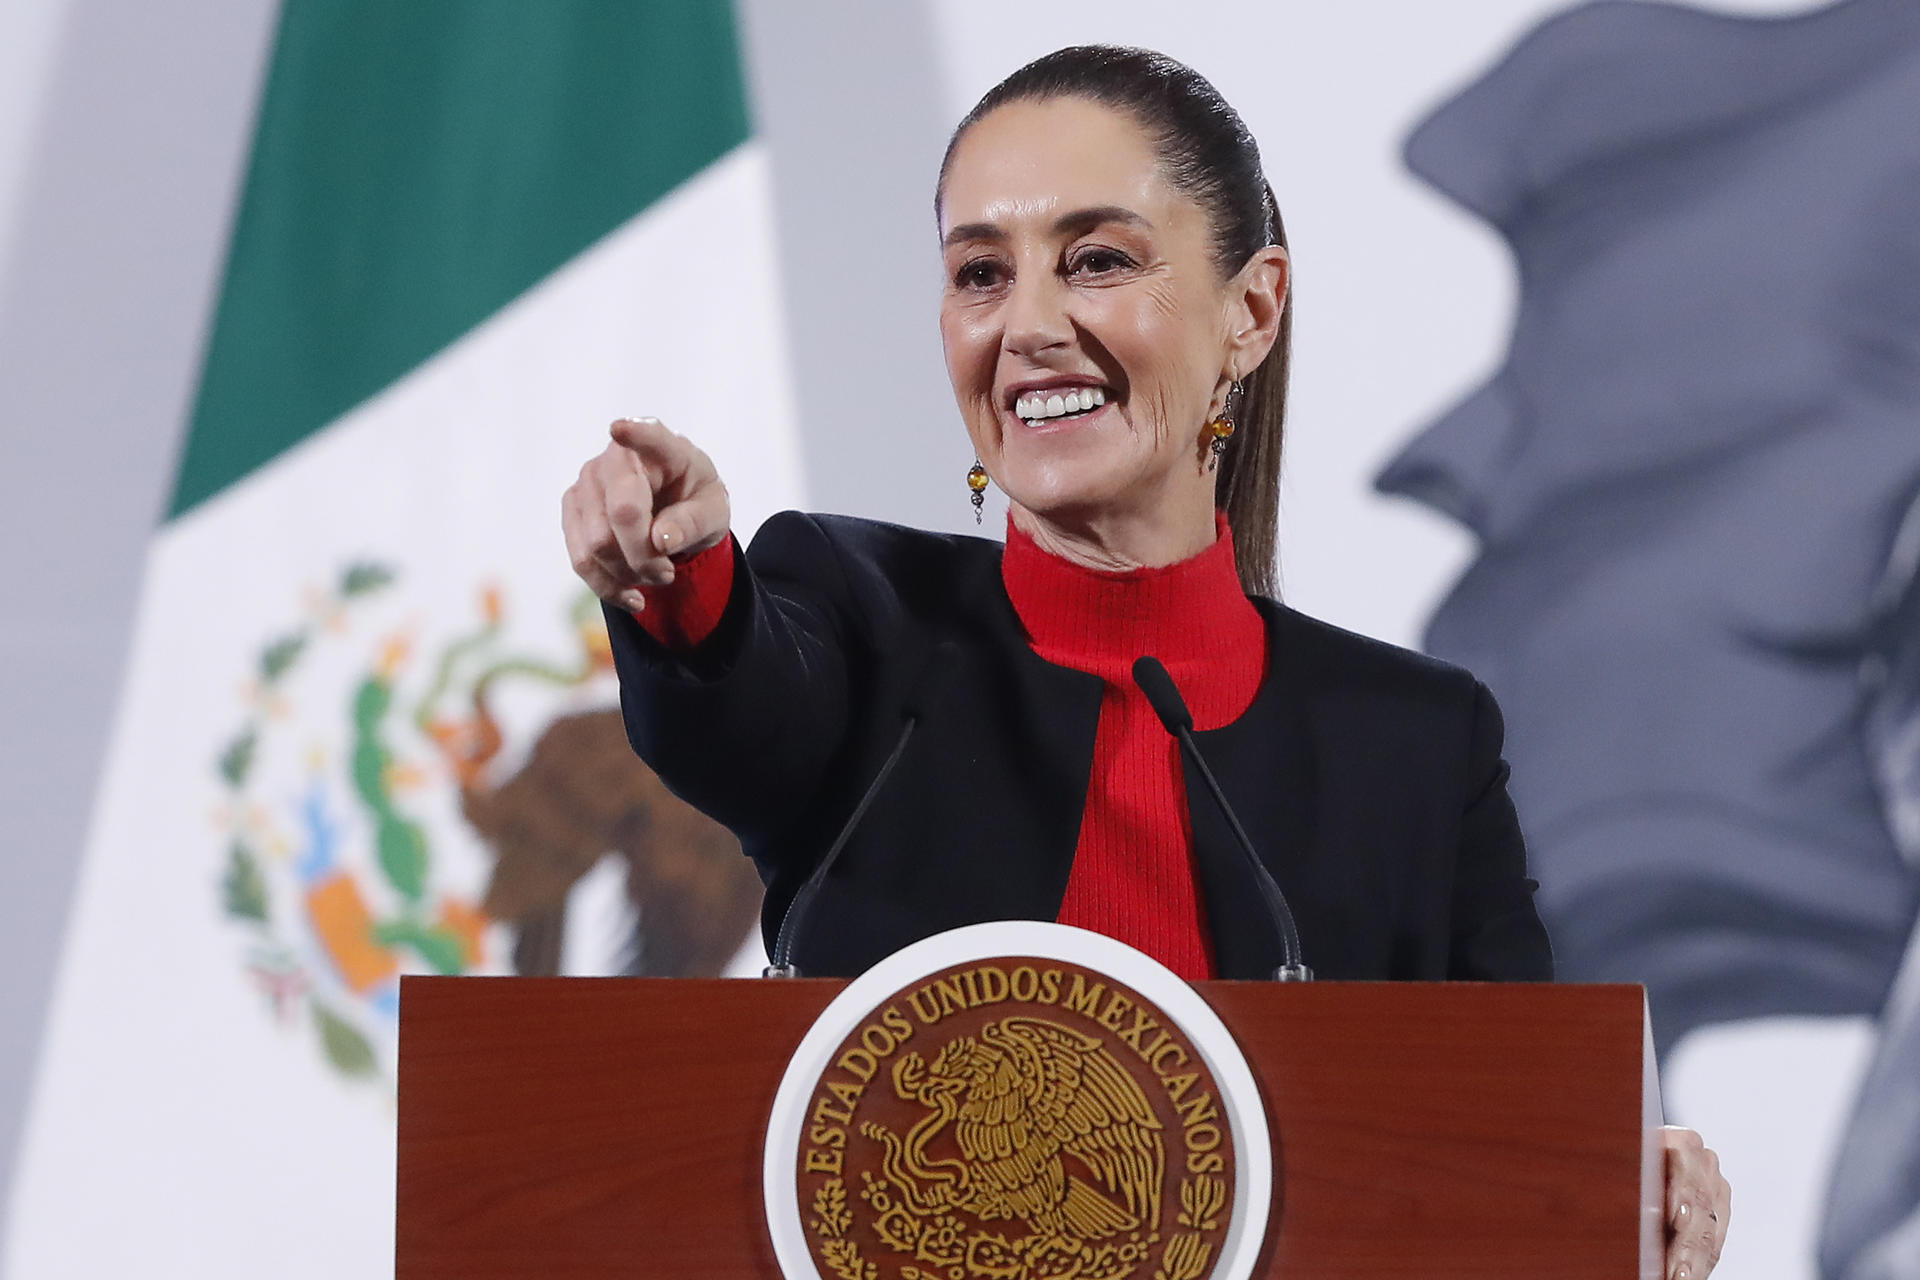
(1248, 486)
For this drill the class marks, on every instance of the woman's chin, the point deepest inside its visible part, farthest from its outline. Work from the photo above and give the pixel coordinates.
(1090, 465)
(1065, 447)
(1060, 495)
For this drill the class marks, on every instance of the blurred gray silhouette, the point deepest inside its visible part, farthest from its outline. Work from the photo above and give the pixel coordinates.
(1696, 484)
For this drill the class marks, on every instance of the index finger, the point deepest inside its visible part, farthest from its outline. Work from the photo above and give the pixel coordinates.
(662, 452)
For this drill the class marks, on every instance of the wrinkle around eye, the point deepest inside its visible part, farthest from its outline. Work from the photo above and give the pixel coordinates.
(1163, 297)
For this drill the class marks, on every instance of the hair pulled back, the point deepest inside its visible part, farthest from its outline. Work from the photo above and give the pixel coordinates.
(1208, 154)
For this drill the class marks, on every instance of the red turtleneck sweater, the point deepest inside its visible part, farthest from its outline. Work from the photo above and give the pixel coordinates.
(1133, 873)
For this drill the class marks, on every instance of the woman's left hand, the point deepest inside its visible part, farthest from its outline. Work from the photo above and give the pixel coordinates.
(1699, 1202)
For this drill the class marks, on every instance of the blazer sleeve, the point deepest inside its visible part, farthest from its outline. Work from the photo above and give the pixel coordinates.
(743, 725)
(1497, 933)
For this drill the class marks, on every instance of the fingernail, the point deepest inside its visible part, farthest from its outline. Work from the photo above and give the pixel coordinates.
(632, 601)
(1682, 1271)
(1684, 1212)
(664, 536)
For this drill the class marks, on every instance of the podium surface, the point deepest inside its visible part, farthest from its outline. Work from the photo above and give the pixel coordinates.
(590, 1127)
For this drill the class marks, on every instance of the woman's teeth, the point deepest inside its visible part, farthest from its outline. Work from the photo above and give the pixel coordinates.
(1036, 406)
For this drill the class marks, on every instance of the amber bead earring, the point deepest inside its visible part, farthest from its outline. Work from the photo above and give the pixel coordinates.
(977, 482)
(1221, 428)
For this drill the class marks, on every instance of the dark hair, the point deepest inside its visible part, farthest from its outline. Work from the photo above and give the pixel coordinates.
(1208, 154)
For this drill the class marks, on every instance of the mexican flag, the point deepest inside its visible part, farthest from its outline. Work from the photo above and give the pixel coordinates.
(368, 726)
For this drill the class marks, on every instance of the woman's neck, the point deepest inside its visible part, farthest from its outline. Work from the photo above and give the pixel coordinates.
(1117, 542)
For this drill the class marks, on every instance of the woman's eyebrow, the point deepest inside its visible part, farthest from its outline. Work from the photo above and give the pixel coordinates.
(1079, 222)
(974, 231)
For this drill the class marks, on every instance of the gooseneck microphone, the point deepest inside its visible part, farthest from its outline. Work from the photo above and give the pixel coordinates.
(922, 695)
(1164, 697)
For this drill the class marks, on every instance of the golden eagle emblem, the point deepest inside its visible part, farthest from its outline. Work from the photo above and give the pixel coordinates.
(1032, 1122)
(984, 1125)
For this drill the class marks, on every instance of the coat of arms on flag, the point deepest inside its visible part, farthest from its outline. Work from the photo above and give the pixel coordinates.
(380, 814)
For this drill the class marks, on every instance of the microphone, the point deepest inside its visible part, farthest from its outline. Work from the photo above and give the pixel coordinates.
(1164, 697)
(922, 695)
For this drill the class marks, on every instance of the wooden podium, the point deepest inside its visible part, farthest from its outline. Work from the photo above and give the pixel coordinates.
(579, 1128)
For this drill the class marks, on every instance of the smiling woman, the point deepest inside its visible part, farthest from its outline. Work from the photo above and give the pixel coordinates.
(1113, 232)
(1116, 319)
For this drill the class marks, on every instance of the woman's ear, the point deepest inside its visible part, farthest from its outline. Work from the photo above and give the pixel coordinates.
(1257, 298)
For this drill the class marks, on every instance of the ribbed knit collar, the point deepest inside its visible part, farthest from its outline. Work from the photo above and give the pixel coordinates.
(1193, 616)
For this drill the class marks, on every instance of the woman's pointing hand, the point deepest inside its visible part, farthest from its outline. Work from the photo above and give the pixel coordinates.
(651, 498)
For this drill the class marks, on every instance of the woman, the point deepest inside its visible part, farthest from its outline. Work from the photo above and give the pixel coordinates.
(1116, 320)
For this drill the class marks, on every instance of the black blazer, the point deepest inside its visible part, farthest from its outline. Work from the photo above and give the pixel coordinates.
(1369, 777)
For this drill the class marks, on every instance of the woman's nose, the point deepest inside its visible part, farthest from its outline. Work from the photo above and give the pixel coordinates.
(1036, 314)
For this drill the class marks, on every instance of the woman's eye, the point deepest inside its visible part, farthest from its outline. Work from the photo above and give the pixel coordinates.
(1099, 262)
(981, 273)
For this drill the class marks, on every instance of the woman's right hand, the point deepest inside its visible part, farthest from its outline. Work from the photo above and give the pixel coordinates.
(649, 499)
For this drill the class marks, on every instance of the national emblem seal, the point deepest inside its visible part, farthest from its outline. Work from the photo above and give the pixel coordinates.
(1019, 1112)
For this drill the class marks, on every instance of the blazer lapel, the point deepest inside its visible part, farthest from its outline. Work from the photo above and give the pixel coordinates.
(1052, 713)
(1264, 761)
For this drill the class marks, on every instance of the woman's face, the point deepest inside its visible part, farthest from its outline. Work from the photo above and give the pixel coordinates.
(1088, 333)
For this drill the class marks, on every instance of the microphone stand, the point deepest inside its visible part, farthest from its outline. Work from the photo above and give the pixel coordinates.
(1164, 697)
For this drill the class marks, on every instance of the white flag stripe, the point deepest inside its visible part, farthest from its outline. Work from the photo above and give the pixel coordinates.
(167, 1095)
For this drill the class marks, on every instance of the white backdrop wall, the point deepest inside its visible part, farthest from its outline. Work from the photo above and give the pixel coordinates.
(123, 126)
(117, 174)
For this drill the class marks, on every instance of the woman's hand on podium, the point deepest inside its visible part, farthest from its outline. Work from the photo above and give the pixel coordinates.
(1699, 1202)
(647, 500)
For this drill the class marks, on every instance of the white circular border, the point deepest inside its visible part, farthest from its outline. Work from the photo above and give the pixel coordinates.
(1005, 939)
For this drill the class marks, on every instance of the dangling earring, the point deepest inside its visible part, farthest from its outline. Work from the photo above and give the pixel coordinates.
(977, 482)
(1222, 427)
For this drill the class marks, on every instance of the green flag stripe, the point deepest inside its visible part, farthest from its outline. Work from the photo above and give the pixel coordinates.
(418, 166)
